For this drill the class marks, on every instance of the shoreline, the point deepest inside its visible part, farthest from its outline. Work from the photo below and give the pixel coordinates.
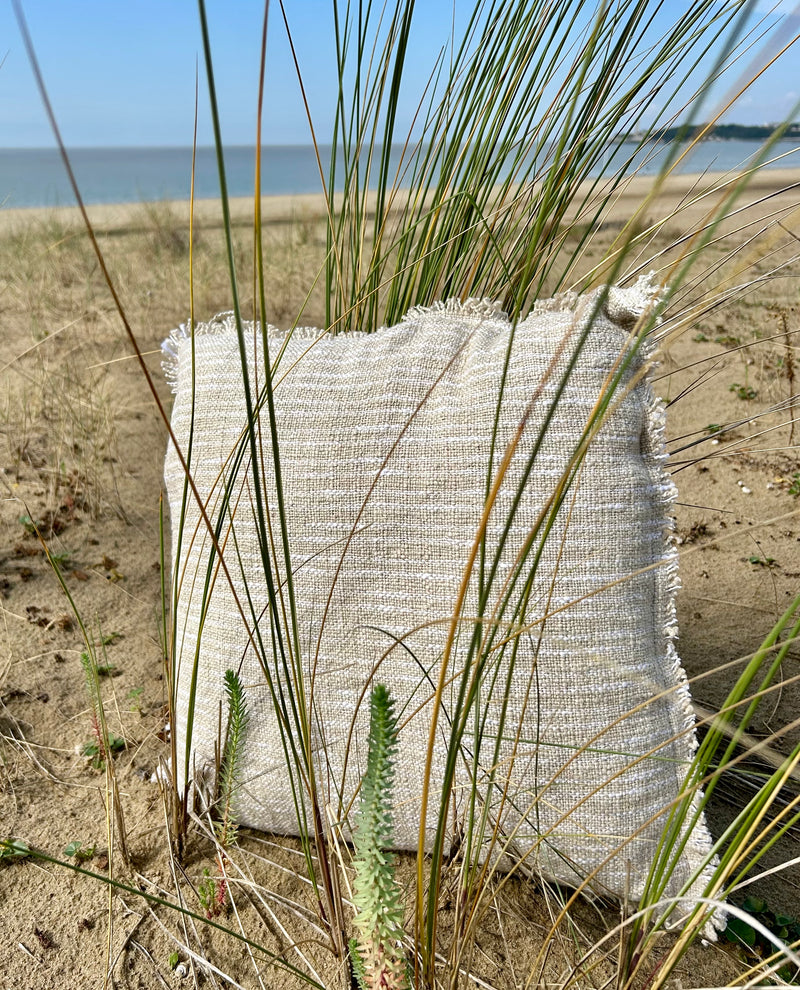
(690, 193)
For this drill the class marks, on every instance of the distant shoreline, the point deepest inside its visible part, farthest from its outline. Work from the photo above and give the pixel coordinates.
(731, 132)
(726, 132)
(693, 194)
(34, 179)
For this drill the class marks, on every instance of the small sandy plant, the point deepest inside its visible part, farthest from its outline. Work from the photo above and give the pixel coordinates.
(103, 746)
(376, 952)
(231, 768)
(212, 890)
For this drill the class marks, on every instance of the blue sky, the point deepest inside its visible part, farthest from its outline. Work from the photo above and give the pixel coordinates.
(123, 73)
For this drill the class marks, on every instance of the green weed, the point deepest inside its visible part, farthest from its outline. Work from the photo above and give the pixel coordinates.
(743, 392)
(14, 849)
(104, 745)
(376, 953)
(211, 891)
(135, 698)
(230, 771)
(31, 526)
(784, 927)
(78, 851)
(99, 750)
(62, 560)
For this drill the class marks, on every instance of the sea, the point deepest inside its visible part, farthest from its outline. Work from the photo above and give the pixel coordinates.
(35, 177)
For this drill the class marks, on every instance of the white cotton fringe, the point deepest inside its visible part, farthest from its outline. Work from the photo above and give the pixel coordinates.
(221, 323)
(487, 309)
(624, 306)
(641, 297)
(225, 322)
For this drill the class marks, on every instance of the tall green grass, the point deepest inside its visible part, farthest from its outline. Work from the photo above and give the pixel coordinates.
(501, 168)
(493, 196)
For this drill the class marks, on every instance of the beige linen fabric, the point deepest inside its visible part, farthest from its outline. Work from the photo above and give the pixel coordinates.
(598, 705)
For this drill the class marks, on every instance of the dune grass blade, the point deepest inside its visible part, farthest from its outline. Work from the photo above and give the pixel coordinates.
(180, 801)
(477, 684)
(706, 771)
(708, 751)
(129, 332)
(291, 673)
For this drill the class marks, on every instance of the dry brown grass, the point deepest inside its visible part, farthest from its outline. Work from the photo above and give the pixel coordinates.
(62, 335)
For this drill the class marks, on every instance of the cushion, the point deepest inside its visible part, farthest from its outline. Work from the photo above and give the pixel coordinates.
(585, 727)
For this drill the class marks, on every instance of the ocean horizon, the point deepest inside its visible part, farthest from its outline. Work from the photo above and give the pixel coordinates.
(35, 177)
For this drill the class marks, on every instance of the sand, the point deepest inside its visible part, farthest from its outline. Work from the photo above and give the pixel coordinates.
(81, 452)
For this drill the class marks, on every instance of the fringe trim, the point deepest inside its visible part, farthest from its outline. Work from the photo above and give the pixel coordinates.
(219, 324)
(564, 302)
(625, 307)
(485, 309)
(637, 299)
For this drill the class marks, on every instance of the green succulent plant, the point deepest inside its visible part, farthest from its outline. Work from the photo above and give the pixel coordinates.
(376, 952)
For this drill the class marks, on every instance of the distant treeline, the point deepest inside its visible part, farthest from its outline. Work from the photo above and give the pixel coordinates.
(731, 132)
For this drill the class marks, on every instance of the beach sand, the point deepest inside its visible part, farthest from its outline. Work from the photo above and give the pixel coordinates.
(81, 453)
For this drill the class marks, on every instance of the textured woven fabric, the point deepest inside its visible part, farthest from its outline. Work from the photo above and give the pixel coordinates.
(598, 730)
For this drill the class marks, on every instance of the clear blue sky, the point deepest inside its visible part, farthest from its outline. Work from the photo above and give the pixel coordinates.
(122, 72)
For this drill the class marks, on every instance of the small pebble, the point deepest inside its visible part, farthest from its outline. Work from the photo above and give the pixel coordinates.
(745, 490)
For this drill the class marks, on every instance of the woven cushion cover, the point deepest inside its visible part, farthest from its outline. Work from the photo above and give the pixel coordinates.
(598, 691)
